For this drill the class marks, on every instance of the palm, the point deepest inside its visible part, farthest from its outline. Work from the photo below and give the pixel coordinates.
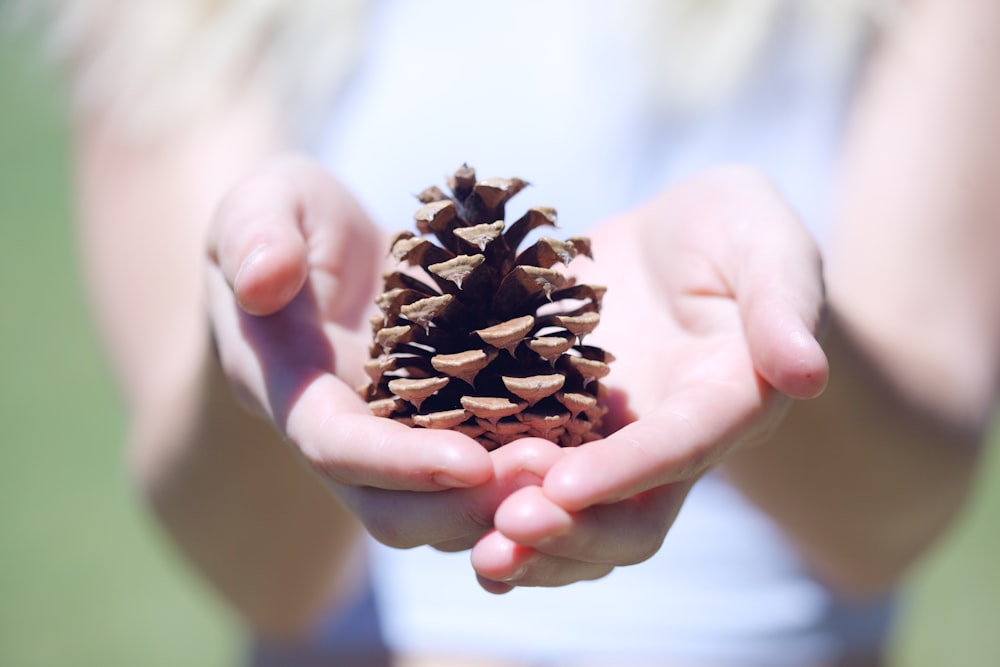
(675, 336)
(294, 269)
(704, 322)
(321, 331)
(714, 293)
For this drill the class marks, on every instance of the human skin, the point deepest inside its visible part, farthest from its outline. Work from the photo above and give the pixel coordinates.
(271, 509)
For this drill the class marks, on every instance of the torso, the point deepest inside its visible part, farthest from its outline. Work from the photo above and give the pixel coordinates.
(565, 111)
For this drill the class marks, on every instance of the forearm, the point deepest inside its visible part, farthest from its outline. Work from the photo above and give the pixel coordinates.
(243, 507)
(865, 477)
(861, 479)
(912, 265)
(235, 499)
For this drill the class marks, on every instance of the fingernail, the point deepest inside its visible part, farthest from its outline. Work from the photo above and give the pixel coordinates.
(527, 478)
(517, 575)
(553, 536)
(248, 263)
(494, 587)
(448, 480)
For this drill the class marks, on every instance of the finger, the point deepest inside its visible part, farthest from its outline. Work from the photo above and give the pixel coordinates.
(783, 344)
(407, 519)
(451, 520)
(256, 239)
(518, 465)
(495, 587)
(778, 285)
(287, 368)
(622, 533)
(337, 434)
(757, 252)
(289, 221)
(678, 441)
(454, 545)
(501, 563)
(781, 304)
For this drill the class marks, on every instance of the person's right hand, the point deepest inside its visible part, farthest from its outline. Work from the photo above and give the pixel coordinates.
(293, 267)
(714, 300)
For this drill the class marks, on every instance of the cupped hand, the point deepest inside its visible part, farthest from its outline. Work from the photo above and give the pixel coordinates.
(714, 299)
(293, 267)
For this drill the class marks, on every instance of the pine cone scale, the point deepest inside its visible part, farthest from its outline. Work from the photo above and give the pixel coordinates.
(490, 344)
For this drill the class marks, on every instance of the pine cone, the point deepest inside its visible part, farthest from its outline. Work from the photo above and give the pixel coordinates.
(483, 339)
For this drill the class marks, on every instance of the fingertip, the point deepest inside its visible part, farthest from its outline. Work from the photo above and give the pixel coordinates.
(356, 448)
(525, 458)
(455, 460)
(609, 470)
(494, 587)
(498, 560)
(784, 347)
(530, 517)
(803, 370)
(270, 276)
(814, 375)
(567, 484)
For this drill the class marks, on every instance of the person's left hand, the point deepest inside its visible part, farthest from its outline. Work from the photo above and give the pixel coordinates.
(714, 298)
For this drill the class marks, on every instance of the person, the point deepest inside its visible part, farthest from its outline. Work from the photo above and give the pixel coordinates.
(759, 496)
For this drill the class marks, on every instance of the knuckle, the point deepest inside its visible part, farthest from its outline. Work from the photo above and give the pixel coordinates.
(387, 530)
(641, 552)
(477, 517)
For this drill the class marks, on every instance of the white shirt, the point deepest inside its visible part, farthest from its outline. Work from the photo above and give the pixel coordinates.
(547, 92)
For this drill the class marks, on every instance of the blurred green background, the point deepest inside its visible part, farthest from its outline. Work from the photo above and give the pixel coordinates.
(85, 577)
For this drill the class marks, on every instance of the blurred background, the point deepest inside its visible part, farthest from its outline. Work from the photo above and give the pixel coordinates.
(85, 577)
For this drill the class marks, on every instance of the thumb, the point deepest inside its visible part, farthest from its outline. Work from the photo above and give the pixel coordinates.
(735, 221)
(256, 239)
(783, 345)
(779, 288)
